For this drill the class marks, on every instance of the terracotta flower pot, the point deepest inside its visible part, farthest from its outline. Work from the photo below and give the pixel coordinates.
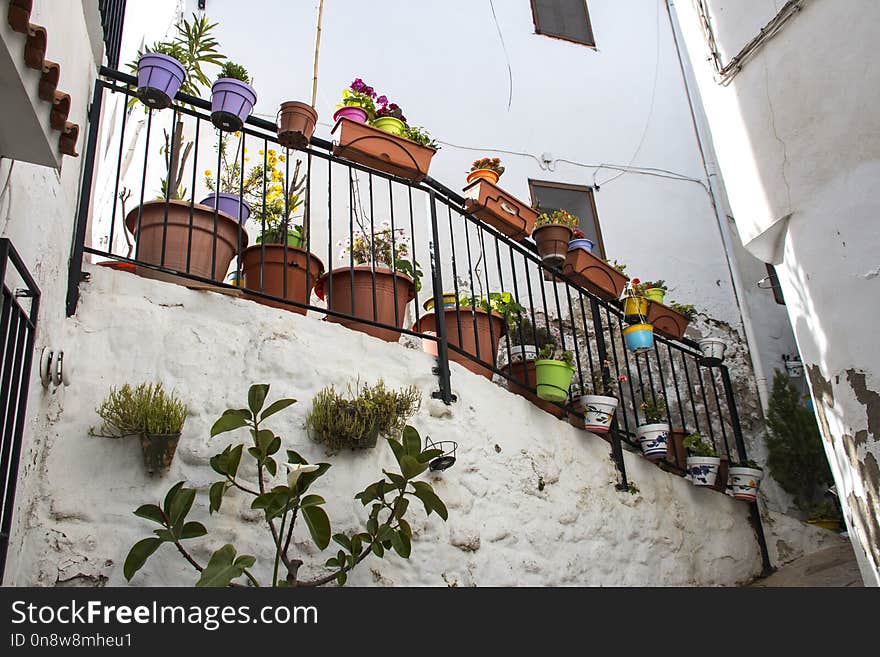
(505, 213)
(349, 290)
(552, 241)
(676, 454)
(666, 321)
(301, 270)
(296, 124)
(483, 174)
(490, 328)
(186, 251)
(594, 274)
(381, 150)
(159, 450)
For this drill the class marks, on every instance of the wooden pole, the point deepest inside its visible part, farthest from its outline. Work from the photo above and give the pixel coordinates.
(317, 48)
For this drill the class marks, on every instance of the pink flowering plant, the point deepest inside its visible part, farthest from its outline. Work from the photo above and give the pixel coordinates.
(360, 94)
(601, 384)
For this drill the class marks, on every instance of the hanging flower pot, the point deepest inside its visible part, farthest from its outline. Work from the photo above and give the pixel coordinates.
(712, 350)
(635, 309)
(351, 112)
(390, 124)
(745, 481)
(598, 412)
(159, 450)
(232, 98)
(296, 124)
(703, 470)
(269, 268)
(599, 277)
(159, 78)
(554, 371)
(552, 240)
(653, 439)
(232, 204)
(582, 243)
(639, 337)
(494, 206)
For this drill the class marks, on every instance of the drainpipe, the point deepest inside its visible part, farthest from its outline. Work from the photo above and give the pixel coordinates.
(717, 196)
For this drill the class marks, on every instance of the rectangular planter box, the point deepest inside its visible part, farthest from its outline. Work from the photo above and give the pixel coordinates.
(381, 150)
(505, 213)
(594, 274)
(667, 322)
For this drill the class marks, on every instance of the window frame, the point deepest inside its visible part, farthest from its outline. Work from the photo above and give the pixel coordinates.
(586, 189)
(564, 37)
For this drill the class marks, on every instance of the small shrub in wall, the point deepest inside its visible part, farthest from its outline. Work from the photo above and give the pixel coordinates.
(386, 528)
(356, 420)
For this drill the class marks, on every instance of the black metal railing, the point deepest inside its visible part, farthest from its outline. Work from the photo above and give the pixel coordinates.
(112, 20)
(342, 203)
(17, 328)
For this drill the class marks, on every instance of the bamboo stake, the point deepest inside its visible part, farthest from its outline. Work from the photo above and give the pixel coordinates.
(317, 48)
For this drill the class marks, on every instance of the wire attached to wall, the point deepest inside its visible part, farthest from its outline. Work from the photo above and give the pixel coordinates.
(506, 58)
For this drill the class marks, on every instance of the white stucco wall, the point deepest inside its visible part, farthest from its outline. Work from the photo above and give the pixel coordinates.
(76, 524)
(799, 151)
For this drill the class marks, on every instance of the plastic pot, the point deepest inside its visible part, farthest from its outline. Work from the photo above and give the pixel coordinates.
(745, 482)
(703, 470)
(159, 450)
(713, 350)
(474, 331)
(231, 204)
(552, 241)
(353, 112)
(653, 438)
(159, 77)
(639, 337)
(296, 124)
(494, 206)
(655, 294)
(598, 412)
(448, 301)
(635, 309)
(483, 174)
(390, 124)
(265, 270)
(582, 243)
(553, 379)
(231, 103)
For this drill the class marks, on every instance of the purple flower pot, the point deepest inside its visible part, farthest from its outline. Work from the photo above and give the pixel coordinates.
(231, 103)
(352, 112)
(228, 203)
(582, 243)
(159, 77)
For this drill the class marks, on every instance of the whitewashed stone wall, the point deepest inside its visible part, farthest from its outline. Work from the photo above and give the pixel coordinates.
(531, 499)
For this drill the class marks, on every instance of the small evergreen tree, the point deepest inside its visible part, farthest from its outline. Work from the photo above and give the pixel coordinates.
(796, 457)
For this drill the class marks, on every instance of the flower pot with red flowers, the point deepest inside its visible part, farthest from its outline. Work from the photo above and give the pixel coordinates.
(552, 233)
(487, 168)
(375, 286)
(635, 305)
(579, 240)
(232, 98)
(603, 278)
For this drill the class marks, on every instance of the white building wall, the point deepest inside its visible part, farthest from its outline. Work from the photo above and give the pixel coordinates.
(798, 143)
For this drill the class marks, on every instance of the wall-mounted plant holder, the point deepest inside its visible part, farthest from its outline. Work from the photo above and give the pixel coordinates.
(447, 459)
(505, 213)
(159, 451)
(159, 78)
(794, 366)
(666, 321)
(593, 273)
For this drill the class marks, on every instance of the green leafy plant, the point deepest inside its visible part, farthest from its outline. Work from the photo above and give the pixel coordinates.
(382, 247)
(386, 527)
(420, 136)
(747, 463)
(795, 457)
(144, 410)
(560, 217)
(619, 266)
(552, 352)
(654, 409)
(235, 71)
(687, 310)
(358, 419)
(632, 489)
(502, 303)
(490, 163)
(698, 445)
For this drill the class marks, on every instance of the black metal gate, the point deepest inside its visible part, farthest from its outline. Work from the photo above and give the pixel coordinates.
(17, 329)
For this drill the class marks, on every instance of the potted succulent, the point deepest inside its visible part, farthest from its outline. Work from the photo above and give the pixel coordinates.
(474, 326)
(579, 241)
(670, 321)
(276, 265)
(597, 400)
(744, 478)
(702, 462)
(554, 370)
(232, 97)
(654, 433)
(401, 151)
(712, 350)
(377, 284)
(357, 104)
(601, 277)
(148, 412)
(486, 168)
(228, 182)
(552, 233)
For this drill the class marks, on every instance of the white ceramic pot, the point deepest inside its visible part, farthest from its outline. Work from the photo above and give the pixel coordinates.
(598, 412)
(518, 353)
(652, 438)
(713, 350)
(745, 482)
(703, 470)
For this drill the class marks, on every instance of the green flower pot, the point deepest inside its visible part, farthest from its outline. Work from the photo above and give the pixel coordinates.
(553, 379)
(390, 124)
(655, 294)
(293, 239)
